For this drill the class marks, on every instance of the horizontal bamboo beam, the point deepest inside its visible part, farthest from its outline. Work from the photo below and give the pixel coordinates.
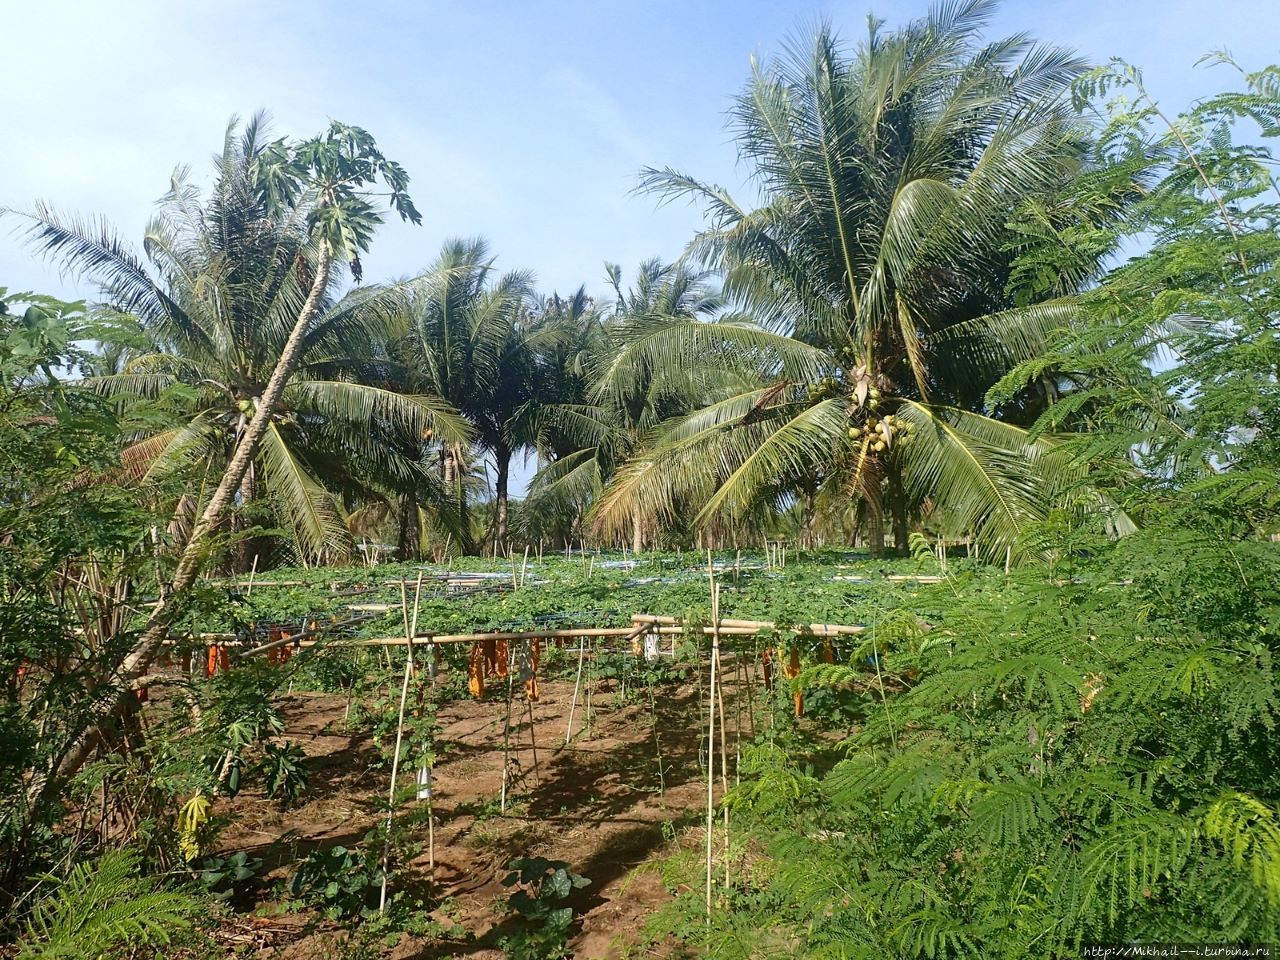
(426, 638)
(734, 627)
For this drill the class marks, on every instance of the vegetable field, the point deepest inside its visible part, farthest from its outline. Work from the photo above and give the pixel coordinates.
(606, 771)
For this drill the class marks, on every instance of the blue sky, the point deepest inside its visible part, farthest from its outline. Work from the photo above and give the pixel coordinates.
(526, 122)
(523, 121)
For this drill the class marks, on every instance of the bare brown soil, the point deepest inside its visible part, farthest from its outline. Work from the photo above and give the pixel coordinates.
(598, 804)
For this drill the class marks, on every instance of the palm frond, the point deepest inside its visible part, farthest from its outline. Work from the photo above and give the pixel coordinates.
(313, 514)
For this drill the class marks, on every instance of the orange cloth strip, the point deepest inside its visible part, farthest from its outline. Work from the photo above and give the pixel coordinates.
(475, 671)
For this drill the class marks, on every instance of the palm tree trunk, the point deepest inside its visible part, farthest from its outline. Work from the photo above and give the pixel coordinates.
(409, 545)
(195, 554)
(898, 509)
(246, 547)
(637, 534)
(501, 498)
(875, 528)
(807, 501)
(453, 476)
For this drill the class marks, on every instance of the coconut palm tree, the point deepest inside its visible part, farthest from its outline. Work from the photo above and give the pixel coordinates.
(464, 339)
(211, 304)
(874, 271)
(586, 432)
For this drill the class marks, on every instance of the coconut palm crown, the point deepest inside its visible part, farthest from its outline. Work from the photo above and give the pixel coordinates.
(212, 299)
(874, 274)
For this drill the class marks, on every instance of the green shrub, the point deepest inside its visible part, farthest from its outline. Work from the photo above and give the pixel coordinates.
(543, 886)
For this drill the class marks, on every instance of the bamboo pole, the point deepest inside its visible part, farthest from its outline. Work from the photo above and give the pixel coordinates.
(711, 737)
(662, 625)
(724, 754)
(591, 674)
(506, 732)
(577, 685)
(568, 633)
(426, 770)
(732, 627)
(533, 742)
(395, 769)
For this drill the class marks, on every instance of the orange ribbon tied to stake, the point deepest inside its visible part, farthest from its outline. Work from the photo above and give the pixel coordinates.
(219, 659)
(531, 685)
(475, 672)
(791, 672)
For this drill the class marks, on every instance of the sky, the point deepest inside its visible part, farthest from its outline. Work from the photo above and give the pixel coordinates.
(525, 121)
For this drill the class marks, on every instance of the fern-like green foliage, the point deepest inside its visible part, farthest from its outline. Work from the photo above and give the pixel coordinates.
(106, 908)
(1084, 750)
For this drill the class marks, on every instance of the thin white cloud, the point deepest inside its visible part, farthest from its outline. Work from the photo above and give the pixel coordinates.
(599, 113)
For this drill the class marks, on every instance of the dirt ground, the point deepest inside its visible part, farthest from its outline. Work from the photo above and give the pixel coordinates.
(598, 804)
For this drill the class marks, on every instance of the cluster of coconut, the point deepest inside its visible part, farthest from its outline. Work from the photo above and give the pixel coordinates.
(881, 432)
(826, 387)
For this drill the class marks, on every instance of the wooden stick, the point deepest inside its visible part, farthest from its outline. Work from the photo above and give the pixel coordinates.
(724, 753)
(533, 742)
(711, 737)
(506, 731)
(252, 573)
(577, 685)
(395, 769)
(427, 767)
(591, 675)
(501, 635)
(741, 628)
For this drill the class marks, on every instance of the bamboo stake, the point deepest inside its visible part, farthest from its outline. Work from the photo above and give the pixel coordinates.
(724, 754)
(657, 741)
(533, 742)
(351, 689)
(577, 685)
(395, 769)
(426, 771)
(711, 736)
(591, 674)
(506, 732)
(252, 573)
